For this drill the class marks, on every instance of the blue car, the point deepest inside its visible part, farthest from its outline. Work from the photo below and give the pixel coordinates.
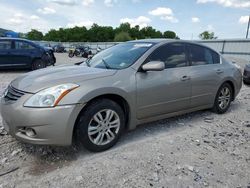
(22, 53)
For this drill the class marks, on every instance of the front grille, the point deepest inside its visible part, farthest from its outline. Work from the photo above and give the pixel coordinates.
(13, 94)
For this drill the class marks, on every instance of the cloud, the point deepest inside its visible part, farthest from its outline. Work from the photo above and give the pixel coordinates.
(142, 21)
(165, 13)
(243, 19)
(87, 24)
(228, 3)
(64, 2)
(210, 28)
(17, 19)
(110, 3)
(195, 19)
(46, 10)
(34, 17)
(87, 2)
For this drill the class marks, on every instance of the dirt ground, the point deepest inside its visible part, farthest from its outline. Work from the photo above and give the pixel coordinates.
(200, 149)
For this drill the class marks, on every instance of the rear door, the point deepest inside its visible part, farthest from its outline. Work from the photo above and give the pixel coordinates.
(206, 73)
(23, 53)
(5, 53)
(167, 91)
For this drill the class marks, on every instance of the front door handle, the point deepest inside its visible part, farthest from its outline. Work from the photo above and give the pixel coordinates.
(184, 78)
(219, 71)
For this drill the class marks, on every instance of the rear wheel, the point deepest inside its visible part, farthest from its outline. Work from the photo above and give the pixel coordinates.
(38, 64)
(101, 125)
(223, 99)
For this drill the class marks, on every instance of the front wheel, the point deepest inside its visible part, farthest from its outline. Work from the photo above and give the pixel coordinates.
(223, 98)
(38, 64)
(101, 125)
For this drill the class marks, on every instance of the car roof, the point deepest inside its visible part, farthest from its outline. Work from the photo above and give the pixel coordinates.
(10, 38)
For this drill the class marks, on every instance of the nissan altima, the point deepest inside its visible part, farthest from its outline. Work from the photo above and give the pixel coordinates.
(128, 84)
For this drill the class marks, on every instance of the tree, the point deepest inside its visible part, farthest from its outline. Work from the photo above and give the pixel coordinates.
(122, 37)
(206, 35)
(170, 35)
(35, 35)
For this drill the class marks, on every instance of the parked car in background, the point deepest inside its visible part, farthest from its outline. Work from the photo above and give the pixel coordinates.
(80, 51)
(22, 53)
(120, 87)
(246, 74)
(59, 48)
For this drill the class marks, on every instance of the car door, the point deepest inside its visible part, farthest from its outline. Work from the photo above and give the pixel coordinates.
(162, 92)
(23, 53)
(206, 74)
(5, 53)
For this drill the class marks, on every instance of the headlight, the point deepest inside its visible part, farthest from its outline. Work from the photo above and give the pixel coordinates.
(50, 97)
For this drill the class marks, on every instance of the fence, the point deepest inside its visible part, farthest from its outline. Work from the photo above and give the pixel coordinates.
(235, 48)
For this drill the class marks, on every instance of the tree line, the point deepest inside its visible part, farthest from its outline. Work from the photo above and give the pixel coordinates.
(98, 33)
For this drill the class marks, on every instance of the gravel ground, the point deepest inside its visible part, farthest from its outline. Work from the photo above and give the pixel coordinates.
(200, 149)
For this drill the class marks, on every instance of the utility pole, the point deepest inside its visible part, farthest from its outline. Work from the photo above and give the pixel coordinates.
(248, 25)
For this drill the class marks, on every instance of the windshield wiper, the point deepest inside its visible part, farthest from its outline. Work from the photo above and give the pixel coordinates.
(106, 64)
(87, 62)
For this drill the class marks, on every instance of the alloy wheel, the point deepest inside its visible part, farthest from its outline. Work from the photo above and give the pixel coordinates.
(103, 127)
(224, 98)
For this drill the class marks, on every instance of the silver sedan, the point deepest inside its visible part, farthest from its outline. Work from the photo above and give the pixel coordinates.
(123, 86)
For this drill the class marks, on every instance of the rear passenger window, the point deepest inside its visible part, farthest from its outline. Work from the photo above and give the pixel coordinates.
(5, 45)
(23, 45)
(173, 55)
(202, 56)
(216, 57)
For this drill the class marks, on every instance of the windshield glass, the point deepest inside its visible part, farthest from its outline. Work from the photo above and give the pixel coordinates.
(120, 56)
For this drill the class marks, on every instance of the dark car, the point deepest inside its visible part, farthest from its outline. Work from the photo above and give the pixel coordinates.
(22, 53)
(246, 75)
(59, 48)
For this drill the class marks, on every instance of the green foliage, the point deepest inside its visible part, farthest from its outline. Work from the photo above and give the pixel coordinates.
(35, 35)
(170, 35)
(206, 35)
(100, 34)
(122, 37)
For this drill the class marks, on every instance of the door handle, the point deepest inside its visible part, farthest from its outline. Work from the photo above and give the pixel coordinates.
(219, 71)
(184, 78)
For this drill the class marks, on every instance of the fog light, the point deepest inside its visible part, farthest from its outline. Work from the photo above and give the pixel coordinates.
(30, 132)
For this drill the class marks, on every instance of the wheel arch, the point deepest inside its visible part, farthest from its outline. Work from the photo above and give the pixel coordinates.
(119, 99)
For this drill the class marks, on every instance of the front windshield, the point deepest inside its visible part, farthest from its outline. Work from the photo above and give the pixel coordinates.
(120, 56)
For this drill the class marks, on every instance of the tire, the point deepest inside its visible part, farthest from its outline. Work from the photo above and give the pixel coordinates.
(38, 64)
(223, 98)
(94, 117)
(71, 54)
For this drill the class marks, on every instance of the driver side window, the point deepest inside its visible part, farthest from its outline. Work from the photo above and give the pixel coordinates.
(173, 55)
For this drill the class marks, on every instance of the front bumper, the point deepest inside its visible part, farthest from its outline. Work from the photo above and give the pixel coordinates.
(53, 126)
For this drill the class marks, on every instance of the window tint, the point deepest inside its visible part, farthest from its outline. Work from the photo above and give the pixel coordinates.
(216, 57)
(202, 56)
(5, 45)
(173, 55)
(23, 45)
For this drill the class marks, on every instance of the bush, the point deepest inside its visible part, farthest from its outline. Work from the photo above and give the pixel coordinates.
(122, 37)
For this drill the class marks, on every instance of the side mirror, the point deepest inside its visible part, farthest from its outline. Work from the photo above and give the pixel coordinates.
(154, 66)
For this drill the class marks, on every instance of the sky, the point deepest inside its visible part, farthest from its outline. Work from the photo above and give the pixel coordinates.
(188, 18)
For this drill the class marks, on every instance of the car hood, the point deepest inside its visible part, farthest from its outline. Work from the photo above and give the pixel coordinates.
(37, 80)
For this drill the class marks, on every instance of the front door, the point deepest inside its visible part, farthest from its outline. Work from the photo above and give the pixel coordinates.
(167, 91)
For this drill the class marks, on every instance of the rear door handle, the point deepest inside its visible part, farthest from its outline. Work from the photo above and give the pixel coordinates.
(184, 78)
(219, 71)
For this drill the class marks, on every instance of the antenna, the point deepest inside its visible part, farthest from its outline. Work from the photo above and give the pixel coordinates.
(248, 25)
